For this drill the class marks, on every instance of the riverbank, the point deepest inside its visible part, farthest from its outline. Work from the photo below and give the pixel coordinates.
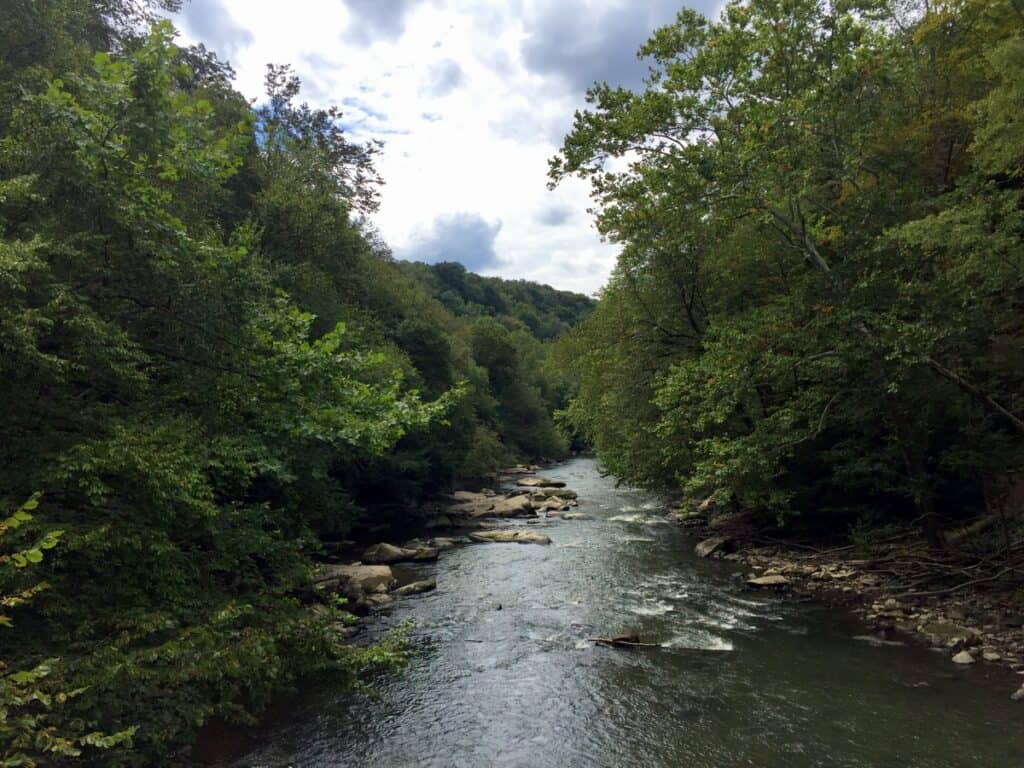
(967, 622)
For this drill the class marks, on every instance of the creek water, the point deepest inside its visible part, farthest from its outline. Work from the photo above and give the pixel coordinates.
(740, 678)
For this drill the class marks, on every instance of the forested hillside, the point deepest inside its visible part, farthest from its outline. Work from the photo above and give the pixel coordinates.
(818, 311)
(544, 311)
(209, 365)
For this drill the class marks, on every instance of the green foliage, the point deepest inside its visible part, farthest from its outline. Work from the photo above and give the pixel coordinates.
(31, 729)
(817, 308)
(209, 362)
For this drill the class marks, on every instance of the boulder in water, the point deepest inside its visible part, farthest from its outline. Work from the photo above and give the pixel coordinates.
(360, 584)
(472, 508)
(510, 536)
(946, 634)
(417, 587)
(385, 553)
(964, 657)
(708, 547)
(513, 506)
(551, 491)
(773, 580)
(378, 600)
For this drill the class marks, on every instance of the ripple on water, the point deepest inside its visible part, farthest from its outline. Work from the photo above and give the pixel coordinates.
(634, 517)
(698, 641)
(655, 608)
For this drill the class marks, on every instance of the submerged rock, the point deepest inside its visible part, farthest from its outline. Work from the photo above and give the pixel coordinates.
(575, 516)
(708, 547)
(964, 657)
(1019, 695)
(417, 587)
(949, 635)
(510, 536)
(519, 469)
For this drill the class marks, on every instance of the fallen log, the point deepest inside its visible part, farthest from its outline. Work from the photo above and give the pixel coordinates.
(624, 642)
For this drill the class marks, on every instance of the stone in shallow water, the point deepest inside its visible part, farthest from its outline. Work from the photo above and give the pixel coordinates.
(388, 553)
(416, 587)
(513, 507)
(708, 547)
(964, 657)
(510, 536)
(773, 580)
(368, 578)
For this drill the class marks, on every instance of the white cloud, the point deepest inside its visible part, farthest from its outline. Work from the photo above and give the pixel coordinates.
(471, 98)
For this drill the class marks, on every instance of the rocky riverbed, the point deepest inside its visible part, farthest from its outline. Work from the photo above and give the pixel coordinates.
(969, 626)
(368, 583)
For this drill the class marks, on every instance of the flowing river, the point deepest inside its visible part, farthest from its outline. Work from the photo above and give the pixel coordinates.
(504, 673)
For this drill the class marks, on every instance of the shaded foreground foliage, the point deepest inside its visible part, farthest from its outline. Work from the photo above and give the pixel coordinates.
(818, 311)
(209, 364)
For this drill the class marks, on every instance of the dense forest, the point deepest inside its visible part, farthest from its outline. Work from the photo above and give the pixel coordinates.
(818, 311)
(213, 366)
(210, 364)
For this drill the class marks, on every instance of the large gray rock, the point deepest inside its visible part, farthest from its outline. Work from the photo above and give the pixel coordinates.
(708, 547)
(365, 579)
(378, 600)
(549, 491)
(964, 657)
(553, 505)
(472, 509)
(416, 587)
(514, 506)
(510, 536)
(774, 580)
(385, 553)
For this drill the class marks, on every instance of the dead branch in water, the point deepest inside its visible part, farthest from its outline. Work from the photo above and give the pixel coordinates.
(623, 642)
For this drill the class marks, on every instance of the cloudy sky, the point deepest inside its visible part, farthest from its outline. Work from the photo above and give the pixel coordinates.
(471, 98)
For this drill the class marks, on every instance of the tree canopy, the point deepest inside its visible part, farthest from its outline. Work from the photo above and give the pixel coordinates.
(818, 311)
